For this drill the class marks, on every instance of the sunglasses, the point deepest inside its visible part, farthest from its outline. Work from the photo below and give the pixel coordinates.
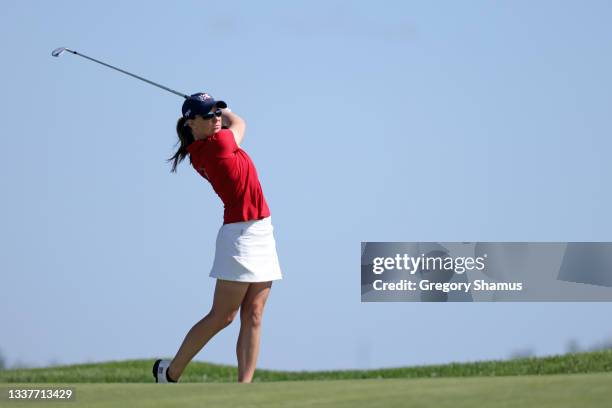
(210, 115)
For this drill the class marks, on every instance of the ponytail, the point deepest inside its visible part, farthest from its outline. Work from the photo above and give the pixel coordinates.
(185, 139)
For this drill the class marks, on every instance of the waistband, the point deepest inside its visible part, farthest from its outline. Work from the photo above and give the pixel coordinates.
(246, 224)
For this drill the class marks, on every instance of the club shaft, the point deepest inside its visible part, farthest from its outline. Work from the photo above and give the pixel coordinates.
(128, 73)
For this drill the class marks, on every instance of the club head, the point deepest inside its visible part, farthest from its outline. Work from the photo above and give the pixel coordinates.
(58, 51)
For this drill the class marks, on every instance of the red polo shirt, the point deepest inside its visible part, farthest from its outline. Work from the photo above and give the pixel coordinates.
(232, 174)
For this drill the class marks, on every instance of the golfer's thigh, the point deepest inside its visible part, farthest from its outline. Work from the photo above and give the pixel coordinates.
(228, 297)
(256, 296)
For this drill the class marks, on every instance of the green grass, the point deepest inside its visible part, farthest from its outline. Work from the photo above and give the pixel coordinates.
(139, 371)
(549, 391)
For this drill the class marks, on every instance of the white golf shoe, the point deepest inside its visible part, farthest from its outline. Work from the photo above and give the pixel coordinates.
(160, 371)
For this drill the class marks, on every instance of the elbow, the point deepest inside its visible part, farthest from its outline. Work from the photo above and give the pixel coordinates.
(241, 124)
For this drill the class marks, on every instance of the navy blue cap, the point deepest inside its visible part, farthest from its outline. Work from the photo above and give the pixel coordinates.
(200, 104)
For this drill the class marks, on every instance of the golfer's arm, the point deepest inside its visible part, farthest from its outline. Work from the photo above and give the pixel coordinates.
(236, 124)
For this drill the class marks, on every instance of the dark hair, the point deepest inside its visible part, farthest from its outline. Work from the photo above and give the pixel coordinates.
(185, 139)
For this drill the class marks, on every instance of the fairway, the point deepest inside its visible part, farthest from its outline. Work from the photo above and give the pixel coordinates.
(554, 391)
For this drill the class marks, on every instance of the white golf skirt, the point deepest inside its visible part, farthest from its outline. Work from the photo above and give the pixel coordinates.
(246, 252)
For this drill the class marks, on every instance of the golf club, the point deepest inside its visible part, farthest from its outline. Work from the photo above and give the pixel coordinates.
(59, 51)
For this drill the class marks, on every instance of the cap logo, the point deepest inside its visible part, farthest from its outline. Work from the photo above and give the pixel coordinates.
(204, 97)
(188, 112)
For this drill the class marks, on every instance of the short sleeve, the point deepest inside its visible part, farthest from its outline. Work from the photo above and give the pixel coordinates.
(227, 141)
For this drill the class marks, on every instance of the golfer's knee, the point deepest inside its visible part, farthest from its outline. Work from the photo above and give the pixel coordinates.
(252, 316)
(223, 318)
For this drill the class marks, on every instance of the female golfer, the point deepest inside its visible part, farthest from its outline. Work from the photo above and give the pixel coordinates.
(245, 261)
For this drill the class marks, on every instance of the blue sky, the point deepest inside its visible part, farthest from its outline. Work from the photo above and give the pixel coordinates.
(389, 121)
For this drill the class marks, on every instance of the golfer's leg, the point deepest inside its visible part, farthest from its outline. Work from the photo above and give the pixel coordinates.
(227, 299)
(251, 313)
